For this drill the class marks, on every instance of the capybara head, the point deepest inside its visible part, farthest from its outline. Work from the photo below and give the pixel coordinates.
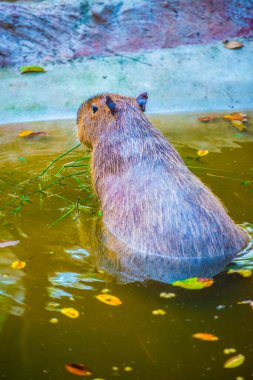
(100, 112)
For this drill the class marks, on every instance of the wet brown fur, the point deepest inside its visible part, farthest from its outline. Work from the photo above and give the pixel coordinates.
(151, 202)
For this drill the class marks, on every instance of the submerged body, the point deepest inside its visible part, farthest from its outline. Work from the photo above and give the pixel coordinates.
(159, 217)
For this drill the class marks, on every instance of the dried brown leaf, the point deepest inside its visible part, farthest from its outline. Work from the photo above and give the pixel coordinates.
(232, 45)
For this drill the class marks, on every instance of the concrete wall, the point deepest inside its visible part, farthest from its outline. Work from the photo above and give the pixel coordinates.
(186, 78)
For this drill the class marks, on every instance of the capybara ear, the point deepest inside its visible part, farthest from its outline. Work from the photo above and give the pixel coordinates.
(111, 105)
(142, 100)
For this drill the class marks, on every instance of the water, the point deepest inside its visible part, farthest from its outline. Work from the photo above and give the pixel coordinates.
(61, 269)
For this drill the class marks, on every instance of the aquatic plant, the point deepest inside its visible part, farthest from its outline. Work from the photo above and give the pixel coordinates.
(44, 181)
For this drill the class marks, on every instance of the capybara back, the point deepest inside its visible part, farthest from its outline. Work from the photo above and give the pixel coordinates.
(152, 204)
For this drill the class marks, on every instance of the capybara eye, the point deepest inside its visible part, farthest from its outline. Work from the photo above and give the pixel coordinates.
(94, 109)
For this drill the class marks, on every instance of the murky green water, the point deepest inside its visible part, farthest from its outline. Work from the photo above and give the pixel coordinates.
(61, 269)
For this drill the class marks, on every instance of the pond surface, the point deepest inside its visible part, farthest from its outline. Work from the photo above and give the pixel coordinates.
(127, 341)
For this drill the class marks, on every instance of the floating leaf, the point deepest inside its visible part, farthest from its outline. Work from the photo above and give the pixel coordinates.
(25, 133)
(8, 243)
(228, 351)
(245, 183)
(206, 336)
(36, 135)
(246, 302)
(236, 116)
(109, 299)
(159, 312)
(128, 369)
(202, 152)
(32, 69)
(167, 295)
(18, 264)
(235, 361)
(70, 312)
(206, 119)
(30, 134)
(105, 290)
(54, 320)
(238, 125)
(194, 283)
(232, 45)
(78, 369)
(242, 272)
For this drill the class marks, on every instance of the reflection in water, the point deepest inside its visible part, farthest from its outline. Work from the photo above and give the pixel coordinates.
(245, 258)
(126, 265)
(57, 293)
(78, 253)
(12, 288)
(73, 280)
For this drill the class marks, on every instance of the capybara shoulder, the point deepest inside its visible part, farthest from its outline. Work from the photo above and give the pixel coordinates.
(152, 204)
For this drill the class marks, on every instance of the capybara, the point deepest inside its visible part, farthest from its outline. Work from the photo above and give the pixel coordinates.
(161, 220)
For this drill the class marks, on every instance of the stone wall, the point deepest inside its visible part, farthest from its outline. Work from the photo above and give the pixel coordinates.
(37, 32)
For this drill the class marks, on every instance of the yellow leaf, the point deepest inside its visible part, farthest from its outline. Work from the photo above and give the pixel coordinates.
(235, 361)
(232, 45)
(228, 351)
(32, 69)
(238, 124)
(159, 312)
(194, 283)
(202, 152)
(206, 336)
(167, 295)
(25, 133)
(128, 369)
(105, 290)
(242, 272)
(54, 320)
(109, 299)
(236, 116)
(70, 312)
(18, 264)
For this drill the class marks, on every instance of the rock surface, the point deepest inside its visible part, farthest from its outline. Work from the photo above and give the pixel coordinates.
(37, 32)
